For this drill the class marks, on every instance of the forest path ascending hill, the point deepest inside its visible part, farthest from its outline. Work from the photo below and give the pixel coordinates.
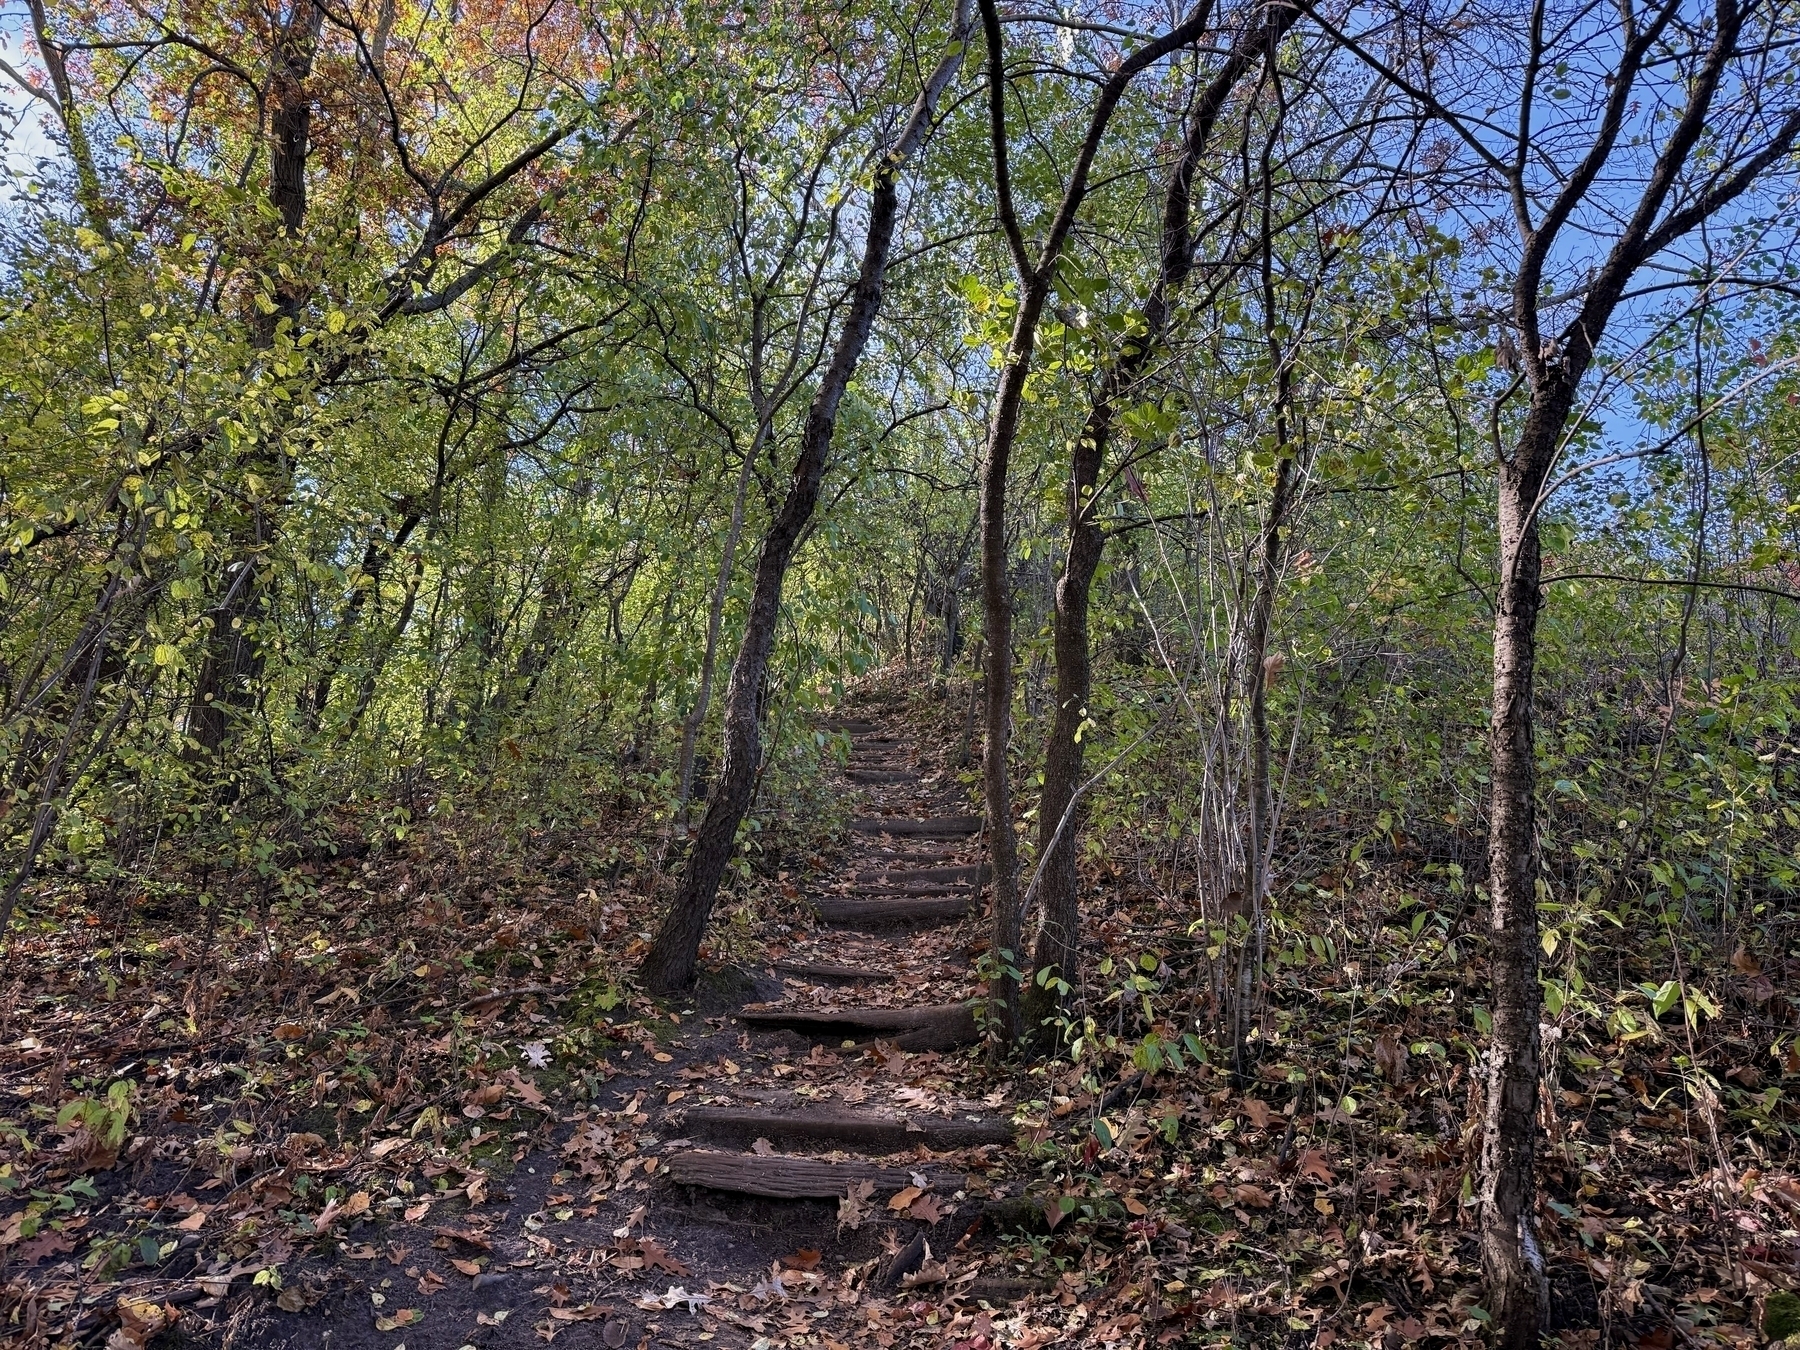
(814, 1164)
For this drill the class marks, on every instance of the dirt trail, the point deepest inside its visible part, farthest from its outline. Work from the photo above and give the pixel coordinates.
(798, 1169)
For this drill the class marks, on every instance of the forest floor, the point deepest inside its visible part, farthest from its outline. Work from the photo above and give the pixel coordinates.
(414, 1102)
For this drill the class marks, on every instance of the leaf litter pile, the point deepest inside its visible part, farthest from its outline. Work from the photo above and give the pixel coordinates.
(417, 1103)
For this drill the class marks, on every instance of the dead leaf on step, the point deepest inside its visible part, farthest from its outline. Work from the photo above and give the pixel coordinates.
(902, 1201)
(342, 1209)
(926, 1209)
(762, 1148)
(932, 1272)
(586, 1313)
(806, 1258)
(853, 1209)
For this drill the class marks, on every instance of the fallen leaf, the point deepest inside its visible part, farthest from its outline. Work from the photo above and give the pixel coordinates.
(853, 1208)
(1312, 1164)
(404, 1318)
(932, 1272)
(903, 1199)
(469, 1268)
(1254, 1196)
(585, 1313)
(807, 1258)
(1258, 1111)
(1391, 1057)
(926, 1209)
(445, 1236)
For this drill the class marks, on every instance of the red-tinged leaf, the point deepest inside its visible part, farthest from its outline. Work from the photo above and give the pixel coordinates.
(656, 1257)
(807, 1258)
(1254, 1196)
(1312, 1164)
(926, 1209)
(47, 1243)
(445, 1236)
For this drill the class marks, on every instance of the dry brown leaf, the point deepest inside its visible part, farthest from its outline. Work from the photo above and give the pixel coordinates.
(1254, 1196)
(853, 1209)
(1258, 1111)
(926, 1209)
(1312, 1164)
(902, 1200)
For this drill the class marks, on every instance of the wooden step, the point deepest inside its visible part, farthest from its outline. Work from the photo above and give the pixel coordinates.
(823, 972)
(939, 826)
(941, 1026)
(855, 726)
(837, 1127)
(784, 1178)
(882, 775)
(868, 891)
(913, 912)
(976, 872)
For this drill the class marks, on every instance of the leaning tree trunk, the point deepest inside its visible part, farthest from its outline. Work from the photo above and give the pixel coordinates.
(1058, 840)
(672, 961)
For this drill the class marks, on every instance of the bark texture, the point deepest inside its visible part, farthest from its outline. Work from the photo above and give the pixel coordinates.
(672, 961)
(1058, 893)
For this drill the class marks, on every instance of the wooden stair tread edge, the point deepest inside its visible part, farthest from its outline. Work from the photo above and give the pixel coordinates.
(887, 1132)
(901, 875)
(924, 890)
(895, 913)
(780, 1177)
(917, 825)
(826, 970)
(871, 1019)
(933, 1027)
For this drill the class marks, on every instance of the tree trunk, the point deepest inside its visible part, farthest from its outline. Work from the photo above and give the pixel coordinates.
(996, 610)
(1261, 803)
(225, 684)
(715, 617)
(1058, 844)
(1059, 924)
(671, 963)
(1510, 1258)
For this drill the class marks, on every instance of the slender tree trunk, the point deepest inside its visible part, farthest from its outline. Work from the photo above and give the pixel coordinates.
(1261, 795)
(225, 685)
(1059, 845)
(1510, 1257)
(672, 961)
(715, 618)
(1035, 277)
(1058, 886)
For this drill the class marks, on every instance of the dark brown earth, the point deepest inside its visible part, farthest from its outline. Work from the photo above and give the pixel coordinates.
(804, 1156)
